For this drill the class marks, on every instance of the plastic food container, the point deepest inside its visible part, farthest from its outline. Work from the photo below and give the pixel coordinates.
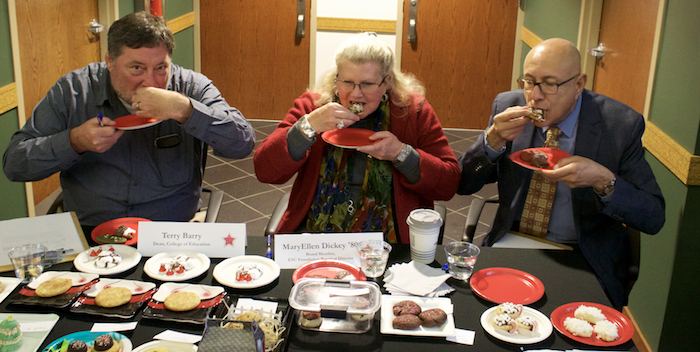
(344, 306)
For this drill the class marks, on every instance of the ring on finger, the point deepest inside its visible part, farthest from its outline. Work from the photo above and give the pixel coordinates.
(340, 124)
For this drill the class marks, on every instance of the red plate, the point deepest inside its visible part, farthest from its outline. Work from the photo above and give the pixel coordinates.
(134, 122)
(327, 268)
(553, 156)
(500, 285)
(110, 226)
(624, 326)
(350, 138)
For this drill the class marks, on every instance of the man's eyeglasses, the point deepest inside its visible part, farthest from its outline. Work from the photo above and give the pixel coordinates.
(546, 87)
(365, 87)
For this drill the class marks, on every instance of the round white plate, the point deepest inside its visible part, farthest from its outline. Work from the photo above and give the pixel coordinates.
(152, 265)
(225, 272)
(544, 327)
(170, 345)
(130, 258)
(444, 303)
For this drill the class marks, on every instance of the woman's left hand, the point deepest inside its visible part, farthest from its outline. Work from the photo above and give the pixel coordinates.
(387, 146)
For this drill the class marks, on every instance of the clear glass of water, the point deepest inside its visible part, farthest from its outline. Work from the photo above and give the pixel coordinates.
(374, 255)
(461, 257)
(28, 261)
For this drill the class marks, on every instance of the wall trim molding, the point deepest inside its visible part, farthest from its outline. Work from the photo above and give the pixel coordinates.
(677, 159)
(8, 97)
(529, 38)
(355, 25)
(181, 23)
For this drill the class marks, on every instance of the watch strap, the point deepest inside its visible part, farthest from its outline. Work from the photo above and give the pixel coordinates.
(403, 154)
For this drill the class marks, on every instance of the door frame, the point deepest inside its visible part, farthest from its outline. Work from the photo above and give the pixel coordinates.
(108, 12)
(589, 31)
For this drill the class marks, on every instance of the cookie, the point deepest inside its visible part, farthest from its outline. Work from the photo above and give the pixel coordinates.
(53, 287)
(113, 297)
(182, 301)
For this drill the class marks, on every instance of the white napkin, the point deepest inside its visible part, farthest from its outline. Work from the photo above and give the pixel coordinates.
(416, 279)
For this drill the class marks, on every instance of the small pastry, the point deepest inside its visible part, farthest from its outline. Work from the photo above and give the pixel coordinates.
(77, 346)
(537, 114)
(503, 322)
(406, 307)
(406, 322)
(105, 343)
(527, 326)
(356, 108)
(512, 310)
(432, 317)
(311, 319)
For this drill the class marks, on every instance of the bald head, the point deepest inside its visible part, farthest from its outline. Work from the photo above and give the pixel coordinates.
(557, 54)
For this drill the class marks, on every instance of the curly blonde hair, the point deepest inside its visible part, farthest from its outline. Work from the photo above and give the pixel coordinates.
(363, 48)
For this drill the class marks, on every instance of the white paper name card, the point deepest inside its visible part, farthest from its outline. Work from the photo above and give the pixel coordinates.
(216, 240)
(291, 251)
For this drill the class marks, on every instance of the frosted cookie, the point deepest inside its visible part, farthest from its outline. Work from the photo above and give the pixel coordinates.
(54, 287)
(105, 343)
(504, 323)
(182, 301)
(512, 310)
(113, 297)
(527, 326)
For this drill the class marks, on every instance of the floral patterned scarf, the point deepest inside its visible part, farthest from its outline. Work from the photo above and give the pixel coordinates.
(332, 210)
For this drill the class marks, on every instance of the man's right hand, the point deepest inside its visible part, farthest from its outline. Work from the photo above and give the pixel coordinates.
(90, 136)
(507, 126)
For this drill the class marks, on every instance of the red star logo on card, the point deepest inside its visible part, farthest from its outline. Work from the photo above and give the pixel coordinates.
(229, 240)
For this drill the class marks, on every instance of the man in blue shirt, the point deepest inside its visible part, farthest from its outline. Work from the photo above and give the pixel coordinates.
(606, 183)
(152, 172)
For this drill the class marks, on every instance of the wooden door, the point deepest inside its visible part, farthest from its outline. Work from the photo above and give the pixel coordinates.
(627, 33)
(463, 54)
(251, 53)
(53, 40)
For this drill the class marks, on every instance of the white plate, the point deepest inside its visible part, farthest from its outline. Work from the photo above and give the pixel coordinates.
(225, 272)
(170, 345)
(544, 327)
(136, 287)
(203, 291)
(130, 258)
(78, 279)
(152, 265)
(31, 341)
(447, 329)
(10, 284)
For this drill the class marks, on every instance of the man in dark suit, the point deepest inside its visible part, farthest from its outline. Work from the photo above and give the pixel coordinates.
(606, 183)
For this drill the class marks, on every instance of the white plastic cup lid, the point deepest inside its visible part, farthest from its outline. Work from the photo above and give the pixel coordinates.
(424, 217)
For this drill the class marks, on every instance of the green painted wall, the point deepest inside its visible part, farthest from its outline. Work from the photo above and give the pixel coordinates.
(14, 204)
(183, 54)
(670, 279)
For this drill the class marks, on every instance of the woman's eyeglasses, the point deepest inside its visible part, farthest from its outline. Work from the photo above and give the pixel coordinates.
(365, 87)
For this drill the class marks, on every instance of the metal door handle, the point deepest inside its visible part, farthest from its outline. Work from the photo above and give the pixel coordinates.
(598, 51)
(95, 27)
(301, 22)
(412, 17)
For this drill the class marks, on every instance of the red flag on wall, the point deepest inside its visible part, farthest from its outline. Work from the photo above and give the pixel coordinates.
(156, 8)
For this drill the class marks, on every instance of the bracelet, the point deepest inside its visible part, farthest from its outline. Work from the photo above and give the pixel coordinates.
(305, 127)
(403, 154)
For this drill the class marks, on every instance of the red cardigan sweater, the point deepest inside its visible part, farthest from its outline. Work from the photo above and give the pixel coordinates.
(440, 173)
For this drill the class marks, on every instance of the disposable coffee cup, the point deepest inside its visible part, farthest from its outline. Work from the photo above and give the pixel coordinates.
(424, 230)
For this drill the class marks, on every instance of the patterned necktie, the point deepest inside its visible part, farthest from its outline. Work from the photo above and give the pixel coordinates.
(540, 196)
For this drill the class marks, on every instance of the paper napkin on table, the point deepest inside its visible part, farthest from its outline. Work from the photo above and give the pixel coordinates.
(416, 279)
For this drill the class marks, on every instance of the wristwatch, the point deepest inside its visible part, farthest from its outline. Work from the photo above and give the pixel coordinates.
(305, 127)
(403, 154)
(607, 189)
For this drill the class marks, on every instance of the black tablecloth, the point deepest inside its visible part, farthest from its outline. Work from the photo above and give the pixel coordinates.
(566, 275)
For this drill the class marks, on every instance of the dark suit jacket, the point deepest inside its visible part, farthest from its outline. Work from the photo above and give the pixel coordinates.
(609, 133)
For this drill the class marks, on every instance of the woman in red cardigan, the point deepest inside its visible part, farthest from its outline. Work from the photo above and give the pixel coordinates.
(373, 187)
